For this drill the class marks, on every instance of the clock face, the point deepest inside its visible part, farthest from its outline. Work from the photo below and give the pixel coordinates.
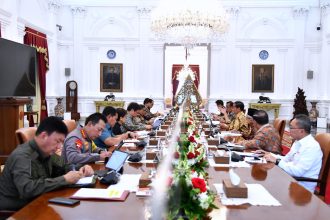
(263, 54)
(111, 54)
(73, 85)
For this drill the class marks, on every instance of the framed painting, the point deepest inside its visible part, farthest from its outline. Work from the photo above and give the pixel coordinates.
(262, 78)
(111, 77)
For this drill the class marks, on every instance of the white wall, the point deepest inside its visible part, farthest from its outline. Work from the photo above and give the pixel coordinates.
(286, 29)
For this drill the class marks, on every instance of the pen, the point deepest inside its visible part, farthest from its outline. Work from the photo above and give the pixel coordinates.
(73, 167)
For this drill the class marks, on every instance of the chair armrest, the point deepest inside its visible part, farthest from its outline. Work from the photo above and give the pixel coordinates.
(306, 179)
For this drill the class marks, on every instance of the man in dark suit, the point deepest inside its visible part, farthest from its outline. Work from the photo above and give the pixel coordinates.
(112, 78)
(263, 80)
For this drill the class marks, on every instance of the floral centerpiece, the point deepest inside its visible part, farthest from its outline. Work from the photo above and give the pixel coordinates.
(189, 194)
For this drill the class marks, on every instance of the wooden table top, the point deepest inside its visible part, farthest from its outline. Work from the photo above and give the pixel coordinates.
(297, 203)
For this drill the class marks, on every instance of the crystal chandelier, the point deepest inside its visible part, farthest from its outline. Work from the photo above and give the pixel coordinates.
(189, 22)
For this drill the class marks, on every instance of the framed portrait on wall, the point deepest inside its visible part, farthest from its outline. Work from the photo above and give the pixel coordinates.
(111, 77)
(262, 78)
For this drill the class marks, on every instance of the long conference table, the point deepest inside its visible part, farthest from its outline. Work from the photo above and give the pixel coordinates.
(297, 202)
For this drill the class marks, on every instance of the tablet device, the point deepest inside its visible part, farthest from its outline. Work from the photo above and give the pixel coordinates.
(117, 160)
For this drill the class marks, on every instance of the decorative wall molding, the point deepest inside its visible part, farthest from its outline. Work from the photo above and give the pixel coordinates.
(233, 11)
(79, 11)
(54, 6)
(300, 11)
(325, 8)
(143, 11)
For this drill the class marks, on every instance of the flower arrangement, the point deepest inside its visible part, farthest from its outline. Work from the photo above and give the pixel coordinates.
(189, 194)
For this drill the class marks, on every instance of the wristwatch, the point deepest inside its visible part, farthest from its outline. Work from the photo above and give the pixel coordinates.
(277, 161)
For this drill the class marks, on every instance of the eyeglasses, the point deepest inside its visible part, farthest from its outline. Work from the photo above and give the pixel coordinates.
(291, 128)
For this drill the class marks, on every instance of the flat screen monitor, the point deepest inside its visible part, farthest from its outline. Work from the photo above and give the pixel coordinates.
(17, 69)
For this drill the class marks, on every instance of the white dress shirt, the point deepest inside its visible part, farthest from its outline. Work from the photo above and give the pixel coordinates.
(304, 160)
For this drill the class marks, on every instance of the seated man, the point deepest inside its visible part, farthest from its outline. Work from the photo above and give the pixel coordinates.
(33, 168)
(240, 123)
(108, 138)
(79, 146)
(140, 118)
(118, 127)
(305, 157)
(266, 137)
(220, 106)
(130, 124)
(229, 110)
(148, 104)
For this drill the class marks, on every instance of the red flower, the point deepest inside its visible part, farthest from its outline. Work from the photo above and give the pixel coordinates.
(191, 139)
(176, 155)
(169, 181)
(189, 123)
(199, 183)
(190, 155)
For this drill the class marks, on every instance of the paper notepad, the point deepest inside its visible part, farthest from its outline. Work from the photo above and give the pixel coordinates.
(103, 194)
(85, 180)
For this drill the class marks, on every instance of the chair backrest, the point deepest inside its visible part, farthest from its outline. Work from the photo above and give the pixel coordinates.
(324, 141)
(279, 125)
(25, 134)
(70, 124)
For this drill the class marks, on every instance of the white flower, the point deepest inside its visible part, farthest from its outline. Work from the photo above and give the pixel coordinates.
(204, 200)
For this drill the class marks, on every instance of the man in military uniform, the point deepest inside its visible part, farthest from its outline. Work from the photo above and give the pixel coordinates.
(130, 124)
(79, 146)
(33, 168)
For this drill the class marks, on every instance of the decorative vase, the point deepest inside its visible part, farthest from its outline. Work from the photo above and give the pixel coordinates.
(313, 113)
(59, 108)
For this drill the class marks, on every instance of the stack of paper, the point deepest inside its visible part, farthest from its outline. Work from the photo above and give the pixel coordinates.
(103, 194)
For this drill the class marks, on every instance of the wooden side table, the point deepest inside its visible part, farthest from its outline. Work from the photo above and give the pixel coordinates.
(115, 104)
(267, 107)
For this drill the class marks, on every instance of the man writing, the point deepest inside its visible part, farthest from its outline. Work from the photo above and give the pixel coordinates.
(108, 138)
(33, 168)
(79, 146)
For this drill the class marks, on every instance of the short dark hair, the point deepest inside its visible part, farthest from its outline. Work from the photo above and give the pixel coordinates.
(133, 105)
(239, 105)
(109, 110)
(121, 113)
(52, 124)
(95, 118)
(304, 122)
(230, 103)
(219, 102)
(261, 117)
(147, 100)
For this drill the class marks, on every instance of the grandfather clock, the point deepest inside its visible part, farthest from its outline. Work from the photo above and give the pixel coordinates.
(72, 99)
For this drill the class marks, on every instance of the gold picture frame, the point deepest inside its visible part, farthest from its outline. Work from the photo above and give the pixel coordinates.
(111, 77)
(263, 78)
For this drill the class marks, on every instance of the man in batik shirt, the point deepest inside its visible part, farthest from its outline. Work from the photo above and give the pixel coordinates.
(266, 137)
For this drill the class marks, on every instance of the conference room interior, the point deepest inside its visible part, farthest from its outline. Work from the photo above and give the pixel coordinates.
(77, 57)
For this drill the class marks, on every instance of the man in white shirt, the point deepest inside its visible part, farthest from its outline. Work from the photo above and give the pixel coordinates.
(305, 156)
